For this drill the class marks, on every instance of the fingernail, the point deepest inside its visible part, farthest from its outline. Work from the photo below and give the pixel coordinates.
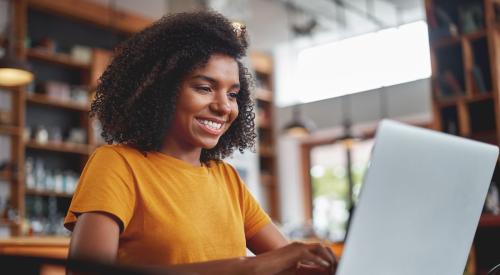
(324, 263)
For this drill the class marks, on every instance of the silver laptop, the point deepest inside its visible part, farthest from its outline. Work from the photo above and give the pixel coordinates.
(420, 204)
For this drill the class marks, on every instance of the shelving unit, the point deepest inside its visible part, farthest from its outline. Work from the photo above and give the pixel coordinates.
(12, 174)
(58, 103)
(465, 54)
(47, 193)
(65, 147)
(64, 24)
(56, 58)
(263, 68)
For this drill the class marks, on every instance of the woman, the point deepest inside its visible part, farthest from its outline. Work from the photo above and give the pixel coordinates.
(174, 102)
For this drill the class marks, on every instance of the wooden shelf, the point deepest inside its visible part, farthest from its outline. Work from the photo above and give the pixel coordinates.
(445, 41)
(72, 148)
(33, 192)
(56, 58)
(266, 179)
(261, 63)
(446, 102)
(489, 220)
(94, 13)
(53, 102)
(10, 130)
(265, 151)
(452, 40)
(5, 222)
(479, 97)
(264, 95)
(475, 35)
(264, 123)
(450, 101)
(485, 136)
(5, 175)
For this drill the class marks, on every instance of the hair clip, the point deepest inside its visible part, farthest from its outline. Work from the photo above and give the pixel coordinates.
(239, 28)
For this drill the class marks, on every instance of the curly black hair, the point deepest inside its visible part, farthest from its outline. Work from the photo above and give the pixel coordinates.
(136, 95)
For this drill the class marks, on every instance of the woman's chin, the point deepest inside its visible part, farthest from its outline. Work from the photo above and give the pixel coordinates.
(210, 145)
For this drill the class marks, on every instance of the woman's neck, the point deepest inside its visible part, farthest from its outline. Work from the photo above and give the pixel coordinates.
(180, 151)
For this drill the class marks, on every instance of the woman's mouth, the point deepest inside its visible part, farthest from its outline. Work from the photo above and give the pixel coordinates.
(211, 127)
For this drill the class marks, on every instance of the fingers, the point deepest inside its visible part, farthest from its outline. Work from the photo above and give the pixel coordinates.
(335, 261)
(331, 255)
(325, 253)
(319, 255)
(314, 258)
(315, 254)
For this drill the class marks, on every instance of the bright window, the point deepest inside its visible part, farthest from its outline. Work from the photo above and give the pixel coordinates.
(361, 63)
(330, 185)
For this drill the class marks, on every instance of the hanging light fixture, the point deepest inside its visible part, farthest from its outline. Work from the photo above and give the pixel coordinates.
(13, 71)
(299, 126)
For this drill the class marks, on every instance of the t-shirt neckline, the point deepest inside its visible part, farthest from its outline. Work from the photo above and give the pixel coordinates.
(182, 165)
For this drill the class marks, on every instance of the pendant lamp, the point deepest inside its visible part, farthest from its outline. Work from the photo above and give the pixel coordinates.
(13, 71)
(299, 126)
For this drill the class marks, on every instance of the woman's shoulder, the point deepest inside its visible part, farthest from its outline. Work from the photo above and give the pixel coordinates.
(226, 170)
(116, 149)
(222, 166)
(114, 154)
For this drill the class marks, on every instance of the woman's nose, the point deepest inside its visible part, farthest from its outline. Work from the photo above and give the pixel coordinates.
(221, 104)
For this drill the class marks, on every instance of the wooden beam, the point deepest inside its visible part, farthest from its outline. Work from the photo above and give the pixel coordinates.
(94, 13)
(305, 156)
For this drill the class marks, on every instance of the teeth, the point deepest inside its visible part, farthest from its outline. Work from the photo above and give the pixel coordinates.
(211, 124)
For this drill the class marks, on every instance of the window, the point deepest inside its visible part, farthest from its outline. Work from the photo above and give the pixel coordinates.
(330, 185)
(369, 61)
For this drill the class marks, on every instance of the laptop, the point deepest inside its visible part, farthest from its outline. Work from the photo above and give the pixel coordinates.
(420, 204)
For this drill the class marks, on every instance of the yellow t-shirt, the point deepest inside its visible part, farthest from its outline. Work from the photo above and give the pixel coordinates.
(171, 212)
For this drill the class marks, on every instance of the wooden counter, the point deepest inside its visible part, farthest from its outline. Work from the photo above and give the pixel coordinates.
(56, 247)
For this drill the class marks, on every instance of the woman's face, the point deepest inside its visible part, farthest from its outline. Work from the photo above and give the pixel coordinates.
(206, 104)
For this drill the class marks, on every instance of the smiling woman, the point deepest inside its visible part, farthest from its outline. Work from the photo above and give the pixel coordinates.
(173, 103)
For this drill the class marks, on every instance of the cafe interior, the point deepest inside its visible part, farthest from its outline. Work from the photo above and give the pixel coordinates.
(325, 73)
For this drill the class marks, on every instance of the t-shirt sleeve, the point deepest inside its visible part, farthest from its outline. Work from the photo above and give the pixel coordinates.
(255, 218)
(106, 185)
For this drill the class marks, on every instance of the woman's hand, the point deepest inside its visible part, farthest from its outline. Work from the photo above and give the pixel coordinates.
(297, 258)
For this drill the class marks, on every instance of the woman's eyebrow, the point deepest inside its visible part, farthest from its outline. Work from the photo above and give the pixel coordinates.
(205, 78)
(213, 81)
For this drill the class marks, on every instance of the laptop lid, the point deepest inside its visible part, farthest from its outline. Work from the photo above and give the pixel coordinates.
(420, 204)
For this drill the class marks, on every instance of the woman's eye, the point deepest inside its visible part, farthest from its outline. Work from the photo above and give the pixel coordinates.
(203, 89)
(233, 94)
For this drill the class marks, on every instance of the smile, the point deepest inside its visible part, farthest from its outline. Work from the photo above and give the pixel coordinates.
(210, 126)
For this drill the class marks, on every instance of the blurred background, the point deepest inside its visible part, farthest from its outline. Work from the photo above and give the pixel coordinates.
(326, 72)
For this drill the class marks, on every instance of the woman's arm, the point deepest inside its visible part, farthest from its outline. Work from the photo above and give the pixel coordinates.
(267, 239)
(95, 237)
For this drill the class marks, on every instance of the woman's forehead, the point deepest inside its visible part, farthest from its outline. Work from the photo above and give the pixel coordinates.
(219, 68)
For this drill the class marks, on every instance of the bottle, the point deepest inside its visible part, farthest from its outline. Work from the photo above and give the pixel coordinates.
(492, 203)
(30, 173)
(39, 175)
